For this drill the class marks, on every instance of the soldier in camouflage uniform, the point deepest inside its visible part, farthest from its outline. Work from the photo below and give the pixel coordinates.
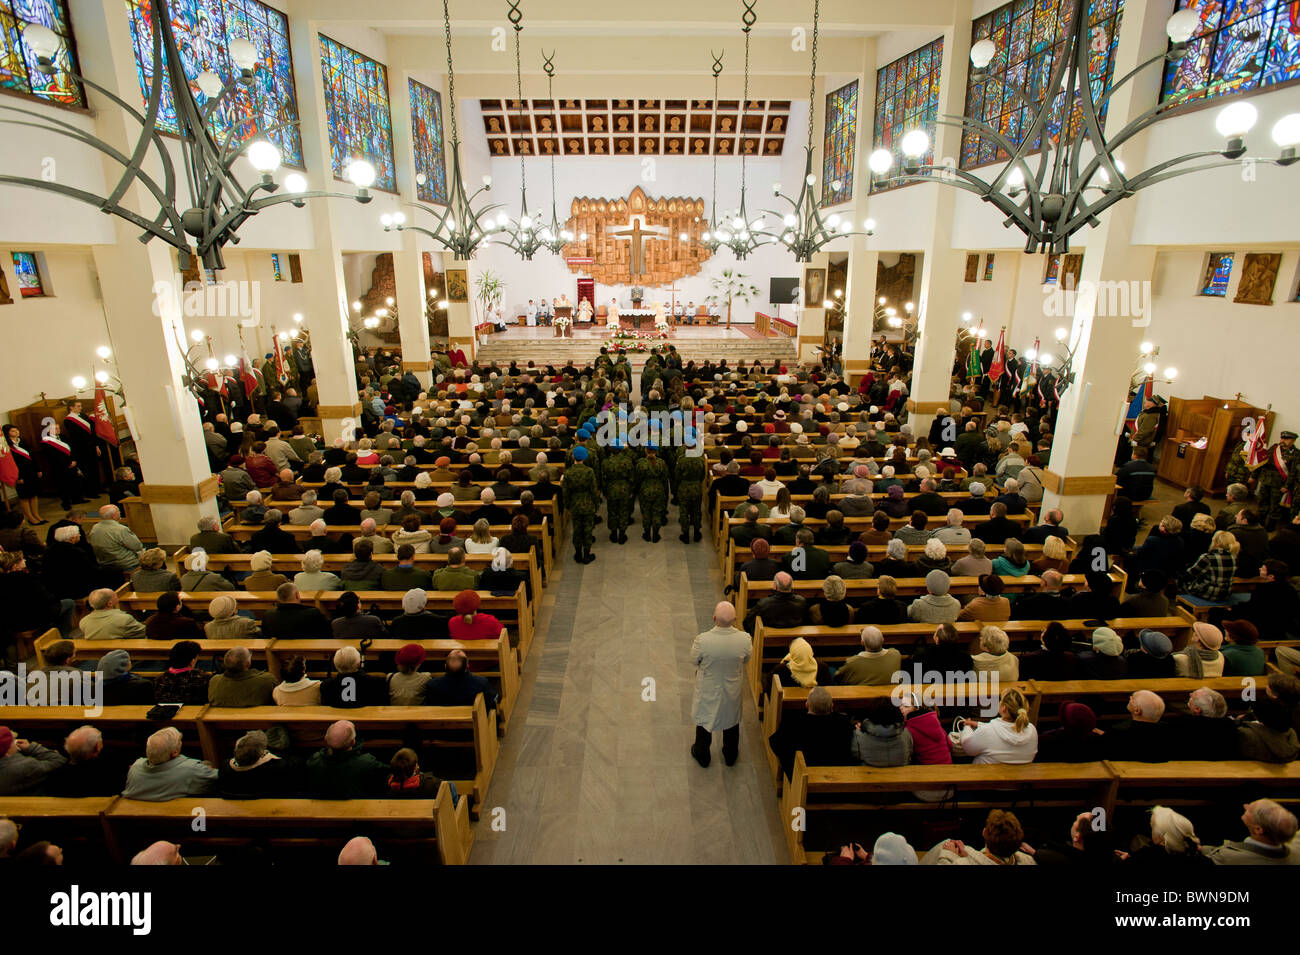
(618, 477)
(689, 487)
(582, 439)
(1236, 471)
(652, 493)
(1277, 490)
(582, 497)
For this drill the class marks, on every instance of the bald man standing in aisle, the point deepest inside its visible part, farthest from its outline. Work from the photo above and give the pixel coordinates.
(720, 656)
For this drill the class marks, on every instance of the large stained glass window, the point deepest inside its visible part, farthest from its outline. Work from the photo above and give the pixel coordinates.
(28, 273)
(837, 149)
(1240, 45)
(907, 98)
(204, 30)
(356, 103)
(426, 133)
(19, 71)
(1030, 39)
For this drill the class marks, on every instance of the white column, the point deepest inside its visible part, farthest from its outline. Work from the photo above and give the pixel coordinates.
(859, 308)
(939, 302)
(326, 317)
(1079, 475)
(460, 316)
(812, 317)
(137, 282)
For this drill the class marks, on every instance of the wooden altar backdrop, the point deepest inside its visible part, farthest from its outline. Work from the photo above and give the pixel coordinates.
(666, 258)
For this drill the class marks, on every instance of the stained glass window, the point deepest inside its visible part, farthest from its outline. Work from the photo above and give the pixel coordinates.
(1218, 268)
(426, 133)
(837, 148)
(276, 270)
(907, 98)
(204, 30)
(988, 266)
(1239, 45)
(19, 71)
(27, 273)
(1052, 270)
(1030, 38)
(356, 104)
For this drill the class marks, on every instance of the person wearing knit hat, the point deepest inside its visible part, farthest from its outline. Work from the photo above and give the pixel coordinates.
(892, 849)
(406, 686)
(1201, 658)
(856, 567)
(121, 686)
(1075, 740)
(1241, 656)
(937, 605)
(1153, 657)
(1105, 661)
(24, 765)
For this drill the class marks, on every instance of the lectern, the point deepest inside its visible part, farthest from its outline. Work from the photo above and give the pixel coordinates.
(1202, 432)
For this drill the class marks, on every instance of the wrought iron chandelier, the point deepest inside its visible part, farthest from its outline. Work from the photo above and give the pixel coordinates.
(1068, 190)
(216, 204)
(556, 235)
(709, 239)
(459, 228)
(523, 235)
(741, 235)
(805, 231)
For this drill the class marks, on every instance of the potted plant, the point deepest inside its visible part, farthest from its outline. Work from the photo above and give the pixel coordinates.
(489, 289)
(731, 284)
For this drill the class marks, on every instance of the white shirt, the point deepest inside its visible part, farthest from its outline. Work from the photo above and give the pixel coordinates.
(531, 312)
(998, 742)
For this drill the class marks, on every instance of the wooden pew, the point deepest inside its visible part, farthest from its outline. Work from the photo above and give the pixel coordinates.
(461, 730)
(837, 644)
(512, 608)
(493, 659)
(425, 830)
(74, 825)
(750, 592)
(149, 657)
(850, 788)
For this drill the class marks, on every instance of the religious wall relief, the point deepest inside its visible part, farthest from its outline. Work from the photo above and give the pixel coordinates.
(637, 240)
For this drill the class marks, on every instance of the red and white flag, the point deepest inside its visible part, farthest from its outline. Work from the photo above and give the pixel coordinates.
(1256, 450)
(281, 372)
(998, 367)
(104, 426)
(8, 466)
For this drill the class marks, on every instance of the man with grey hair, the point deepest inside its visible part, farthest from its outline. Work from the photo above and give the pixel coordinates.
(211, 538)
(106, 621)
(163, 773)
(1206, 731)
(874, 666)
(1143, 737)
(308, 512)
(1270, 838)
(292, 619)
(1238, 497)
(86, 773)
(349, 687)
(313, 577)
(1011, 497)
(369, 532)
(720, 656)
(24, 765)
(253, 511)
(952, 533)
(239, 684)
(254, 772)
(116, 547)
(8, 837)
(781, 608)
(341, 770)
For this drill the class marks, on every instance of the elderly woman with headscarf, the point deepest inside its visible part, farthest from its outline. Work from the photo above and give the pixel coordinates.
(501, 577)
(226, 624)
(198, 579)
(1201, 658)
(262, 580)
(831, 609)
(800, 668)
(468, 623)
(894, 504)
(424, 489)
(416, 621)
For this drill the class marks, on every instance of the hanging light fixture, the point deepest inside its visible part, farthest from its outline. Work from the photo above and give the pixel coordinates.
(1069, 190)
(709, 239)
(201, 223)
(556, 235)
(741, 235)
(803, 230)
(523, 235)
(459, 228)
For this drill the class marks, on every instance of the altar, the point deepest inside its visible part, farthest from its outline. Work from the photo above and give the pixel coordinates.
(633, 317)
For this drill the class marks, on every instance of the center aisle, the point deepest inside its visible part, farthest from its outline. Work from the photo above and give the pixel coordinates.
(599, 769)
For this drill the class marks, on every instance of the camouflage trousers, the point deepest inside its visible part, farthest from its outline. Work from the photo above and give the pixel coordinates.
(1271, 509)
(620, 512)
(688, 512)
(582, 529)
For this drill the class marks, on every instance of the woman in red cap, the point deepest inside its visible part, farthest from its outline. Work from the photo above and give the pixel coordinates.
(469, 624)
(406, 686)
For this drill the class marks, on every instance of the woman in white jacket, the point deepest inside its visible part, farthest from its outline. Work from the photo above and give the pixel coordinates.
(1010, 738)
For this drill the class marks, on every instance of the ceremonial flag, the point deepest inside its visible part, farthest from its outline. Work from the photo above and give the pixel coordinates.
(247, 377)
(280, 371)
(1256, 450)
(973, 368)
(104, 426)
(999, 365)
(8, 466)
(1135, 406)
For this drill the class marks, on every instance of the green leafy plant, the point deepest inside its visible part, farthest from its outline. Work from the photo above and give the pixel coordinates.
(489, 290)
(732, 285)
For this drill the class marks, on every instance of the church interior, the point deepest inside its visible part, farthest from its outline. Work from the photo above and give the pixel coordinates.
(746, 432)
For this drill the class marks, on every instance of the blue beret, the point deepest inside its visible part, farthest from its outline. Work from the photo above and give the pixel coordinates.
(579, 453)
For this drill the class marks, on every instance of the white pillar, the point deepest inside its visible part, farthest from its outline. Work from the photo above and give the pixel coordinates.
(859, 309)
(1080, 472)
(812, 317)
(939, 302)
(179, 486)
(460, 317)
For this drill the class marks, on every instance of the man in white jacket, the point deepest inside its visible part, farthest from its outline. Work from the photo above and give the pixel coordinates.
(720, 656)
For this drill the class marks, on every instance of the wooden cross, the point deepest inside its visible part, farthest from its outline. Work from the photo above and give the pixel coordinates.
(672, 308)
(634, 233)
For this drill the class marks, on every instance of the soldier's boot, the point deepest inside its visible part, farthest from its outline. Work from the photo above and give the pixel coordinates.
(698, 535)
(645, 534)
(622, 536)
(613, 536)
(577, 554)
(683, 537)
(654, 538)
